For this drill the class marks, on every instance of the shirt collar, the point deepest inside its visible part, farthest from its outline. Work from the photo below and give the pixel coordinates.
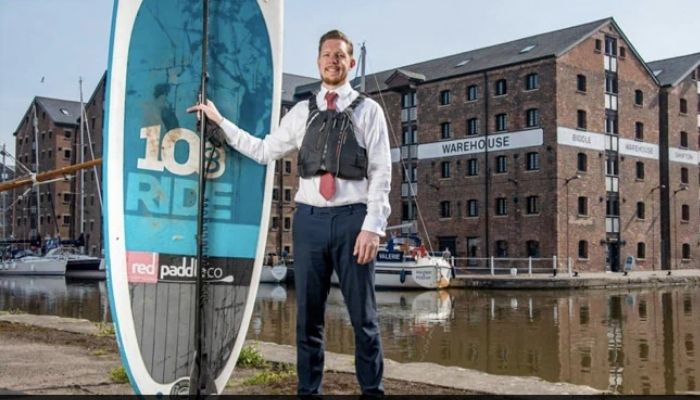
(343, 91)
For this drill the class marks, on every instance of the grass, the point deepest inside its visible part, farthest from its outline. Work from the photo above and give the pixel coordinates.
(250, 357)
(105, 329)
(269, 377)
(118, 375)
(99, 353)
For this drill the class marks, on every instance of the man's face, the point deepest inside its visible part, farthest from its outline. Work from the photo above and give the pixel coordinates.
(334, 62)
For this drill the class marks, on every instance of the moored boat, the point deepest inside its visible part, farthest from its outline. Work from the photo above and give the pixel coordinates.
(404, 263)
(27, 263)
(78, 265)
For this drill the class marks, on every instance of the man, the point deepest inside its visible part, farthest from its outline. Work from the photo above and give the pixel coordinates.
(342, 207)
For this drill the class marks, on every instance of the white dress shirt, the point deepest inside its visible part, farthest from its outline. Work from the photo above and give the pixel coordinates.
(371, 133)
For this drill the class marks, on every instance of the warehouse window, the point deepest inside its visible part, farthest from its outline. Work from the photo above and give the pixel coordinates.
(583, 249)
(445, 97)
(472, 92)
(501, 87)
(581, 162)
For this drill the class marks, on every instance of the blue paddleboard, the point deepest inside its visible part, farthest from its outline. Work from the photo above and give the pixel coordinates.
(151, 181)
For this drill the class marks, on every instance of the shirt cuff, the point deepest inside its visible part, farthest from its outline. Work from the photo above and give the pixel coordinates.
(374, 224)
(230, 129)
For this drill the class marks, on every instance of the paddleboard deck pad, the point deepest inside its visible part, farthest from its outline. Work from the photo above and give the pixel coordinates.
(151, 182)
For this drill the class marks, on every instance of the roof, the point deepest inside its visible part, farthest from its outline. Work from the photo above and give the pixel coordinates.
(60, 111)
(671, 71)
(291, 81)
(550, 44)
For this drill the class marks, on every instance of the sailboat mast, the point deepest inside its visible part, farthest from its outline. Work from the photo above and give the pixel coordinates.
(81, 149)
(363, 54)
(35, 124)
(4, 195)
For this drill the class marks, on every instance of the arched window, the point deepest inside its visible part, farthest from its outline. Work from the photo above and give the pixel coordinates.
(686, 251)
(641, 250)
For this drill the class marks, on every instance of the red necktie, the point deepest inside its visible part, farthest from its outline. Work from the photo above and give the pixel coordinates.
(327, 187)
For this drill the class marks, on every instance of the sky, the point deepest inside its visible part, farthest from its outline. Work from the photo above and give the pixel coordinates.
(46, 46)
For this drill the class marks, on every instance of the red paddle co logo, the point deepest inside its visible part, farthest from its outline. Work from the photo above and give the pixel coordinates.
(146, 267)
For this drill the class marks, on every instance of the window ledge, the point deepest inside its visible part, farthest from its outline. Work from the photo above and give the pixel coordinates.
(582, 92)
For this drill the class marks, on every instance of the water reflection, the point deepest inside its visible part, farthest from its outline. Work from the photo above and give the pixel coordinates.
(632, 342)
(54, 295)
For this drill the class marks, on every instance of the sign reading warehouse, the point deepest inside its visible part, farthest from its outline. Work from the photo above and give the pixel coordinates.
(497, 142)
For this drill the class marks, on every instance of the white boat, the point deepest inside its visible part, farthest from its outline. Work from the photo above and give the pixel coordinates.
(30, 264)
(401, 264)
(78, 265)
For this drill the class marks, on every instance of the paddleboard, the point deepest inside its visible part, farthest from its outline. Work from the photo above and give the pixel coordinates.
(151, 182)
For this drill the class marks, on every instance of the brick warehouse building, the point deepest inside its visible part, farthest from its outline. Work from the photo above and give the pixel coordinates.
(679, 102)
(574, 120)
(56, 127)
(573, 162)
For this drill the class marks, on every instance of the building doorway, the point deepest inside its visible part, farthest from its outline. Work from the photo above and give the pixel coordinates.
(448, 242)
(612, 258)
(472, 250)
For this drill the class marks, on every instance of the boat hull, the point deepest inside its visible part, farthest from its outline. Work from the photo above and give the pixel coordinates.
(425, 273)
(33, 266)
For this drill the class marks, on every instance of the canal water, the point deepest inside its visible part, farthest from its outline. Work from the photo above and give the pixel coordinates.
(637, 341)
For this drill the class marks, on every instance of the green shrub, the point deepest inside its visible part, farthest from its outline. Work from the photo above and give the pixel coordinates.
(118, 375)
(105, 329)
(250, 357)
(268, 377)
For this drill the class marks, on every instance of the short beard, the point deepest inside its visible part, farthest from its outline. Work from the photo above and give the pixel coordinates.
(334, 82)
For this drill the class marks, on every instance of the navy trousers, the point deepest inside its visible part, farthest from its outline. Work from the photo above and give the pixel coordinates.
(324, 239)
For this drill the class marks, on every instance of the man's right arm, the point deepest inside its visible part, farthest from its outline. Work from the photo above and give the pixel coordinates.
(277, 144)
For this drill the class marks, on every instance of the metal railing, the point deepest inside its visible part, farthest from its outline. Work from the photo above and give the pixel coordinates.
(512, 266)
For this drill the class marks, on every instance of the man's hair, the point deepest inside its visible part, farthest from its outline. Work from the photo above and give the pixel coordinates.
(335, 34)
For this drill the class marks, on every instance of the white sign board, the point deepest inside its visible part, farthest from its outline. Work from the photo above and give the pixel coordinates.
(683, 156)
(583, 139)
(498, 142)
(639, 149)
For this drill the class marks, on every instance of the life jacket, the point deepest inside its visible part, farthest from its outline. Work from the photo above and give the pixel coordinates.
(330, 144)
